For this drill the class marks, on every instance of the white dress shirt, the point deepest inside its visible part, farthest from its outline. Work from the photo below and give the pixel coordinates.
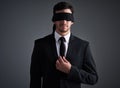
(67, 37)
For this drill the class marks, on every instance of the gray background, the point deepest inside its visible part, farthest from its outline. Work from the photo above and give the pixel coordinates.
(22, 21)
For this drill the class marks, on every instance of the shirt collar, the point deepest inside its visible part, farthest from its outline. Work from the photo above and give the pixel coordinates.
(57, 36)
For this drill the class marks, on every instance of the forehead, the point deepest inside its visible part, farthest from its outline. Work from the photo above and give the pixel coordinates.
(64, 11)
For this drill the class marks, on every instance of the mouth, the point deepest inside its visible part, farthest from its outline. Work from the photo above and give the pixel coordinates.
(63, 25)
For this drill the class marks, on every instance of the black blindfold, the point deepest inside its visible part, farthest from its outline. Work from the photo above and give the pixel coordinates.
(63, 16)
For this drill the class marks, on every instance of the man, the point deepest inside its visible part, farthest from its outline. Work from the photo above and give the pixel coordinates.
(61, 60)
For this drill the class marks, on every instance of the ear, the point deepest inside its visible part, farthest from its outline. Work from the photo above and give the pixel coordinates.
(72, 23)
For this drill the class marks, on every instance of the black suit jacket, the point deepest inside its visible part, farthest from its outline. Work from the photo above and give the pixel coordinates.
(43, 71)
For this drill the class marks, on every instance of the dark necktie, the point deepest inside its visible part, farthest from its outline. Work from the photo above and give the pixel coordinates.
(62, 46)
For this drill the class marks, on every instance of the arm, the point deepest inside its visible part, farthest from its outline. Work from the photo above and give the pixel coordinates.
(87, 74)
(35, 70)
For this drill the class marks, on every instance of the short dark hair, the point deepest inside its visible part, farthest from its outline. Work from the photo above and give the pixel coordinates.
(62, 5)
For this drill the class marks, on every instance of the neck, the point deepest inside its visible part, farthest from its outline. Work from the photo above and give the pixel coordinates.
(63, 33)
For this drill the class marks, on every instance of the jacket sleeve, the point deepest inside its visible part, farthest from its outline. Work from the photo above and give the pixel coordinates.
(88, 73)
(35, 70)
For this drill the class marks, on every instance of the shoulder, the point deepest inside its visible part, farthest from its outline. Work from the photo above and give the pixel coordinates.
(44, 39)
(79, 40)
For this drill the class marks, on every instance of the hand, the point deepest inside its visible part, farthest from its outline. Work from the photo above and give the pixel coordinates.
(62, 64)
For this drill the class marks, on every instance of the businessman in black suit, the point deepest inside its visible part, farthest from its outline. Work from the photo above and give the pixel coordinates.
(61, 60)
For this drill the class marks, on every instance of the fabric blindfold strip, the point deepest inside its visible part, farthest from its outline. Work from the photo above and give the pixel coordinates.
(63, 16)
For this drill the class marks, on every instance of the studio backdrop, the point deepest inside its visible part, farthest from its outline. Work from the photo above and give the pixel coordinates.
(23, 21)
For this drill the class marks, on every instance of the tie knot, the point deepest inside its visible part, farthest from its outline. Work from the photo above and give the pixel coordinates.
(62, 39)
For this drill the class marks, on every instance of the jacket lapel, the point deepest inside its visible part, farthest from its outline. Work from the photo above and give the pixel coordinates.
(71, 47)
(53, 46)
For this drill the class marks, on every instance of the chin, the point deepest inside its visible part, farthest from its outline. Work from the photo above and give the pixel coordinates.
(63, 31)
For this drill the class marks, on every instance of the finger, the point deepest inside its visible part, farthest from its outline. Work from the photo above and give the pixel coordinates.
(60, 57)
(57, 62)
(60, 60)
(65, 60)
